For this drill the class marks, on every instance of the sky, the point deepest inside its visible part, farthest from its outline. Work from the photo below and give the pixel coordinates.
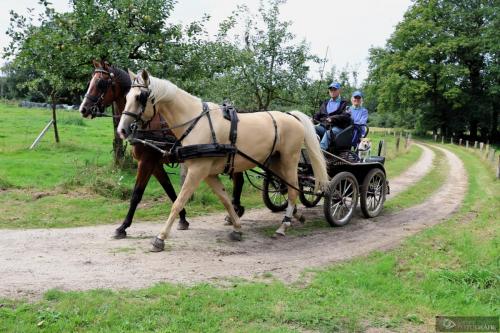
(347, 28)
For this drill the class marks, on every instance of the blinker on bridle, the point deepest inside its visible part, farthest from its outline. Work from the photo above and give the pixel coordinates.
(142, 98)
(102, 87)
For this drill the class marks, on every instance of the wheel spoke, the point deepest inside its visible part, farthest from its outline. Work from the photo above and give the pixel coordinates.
(347, 188)
(336, 207)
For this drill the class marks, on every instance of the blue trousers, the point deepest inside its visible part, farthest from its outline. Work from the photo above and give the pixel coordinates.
(325, 141)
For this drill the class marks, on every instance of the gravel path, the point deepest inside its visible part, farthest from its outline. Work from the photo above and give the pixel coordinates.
(33, 261)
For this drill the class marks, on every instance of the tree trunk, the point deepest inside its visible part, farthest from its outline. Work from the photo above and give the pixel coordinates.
(54, 118)
(473, 128)
(118, 146)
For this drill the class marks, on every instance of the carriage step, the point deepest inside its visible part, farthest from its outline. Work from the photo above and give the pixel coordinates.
(379, 159)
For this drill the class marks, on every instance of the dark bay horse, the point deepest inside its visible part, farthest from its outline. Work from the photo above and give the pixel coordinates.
(110, 85)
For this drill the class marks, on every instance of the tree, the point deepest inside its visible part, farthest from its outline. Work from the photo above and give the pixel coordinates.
(270, 65)
(432, 72)
(53, 52)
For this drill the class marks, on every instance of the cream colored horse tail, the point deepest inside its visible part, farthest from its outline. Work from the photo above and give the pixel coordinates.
(314, 151)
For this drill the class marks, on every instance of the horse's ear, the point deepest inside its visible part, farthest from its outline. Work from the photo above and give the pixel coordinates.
(105, 65)
(96, 63)
(132, 75)
(145, 76)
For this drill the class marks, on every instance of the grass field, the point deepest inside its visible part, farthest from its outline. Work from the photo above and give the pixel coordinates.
(74, 183)
(448, 269)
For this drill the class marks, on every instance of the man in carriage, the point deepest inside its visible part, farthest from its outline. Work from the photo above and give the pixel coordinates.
(331, 115)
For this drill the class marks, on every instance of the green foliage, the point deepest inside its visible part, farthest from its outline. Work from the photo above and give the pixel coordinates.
(435, 73)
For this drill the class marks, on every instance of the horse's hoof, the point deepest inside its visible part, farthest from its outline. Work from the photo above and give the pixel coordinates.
(302, 219)
(235, 236)
(228, 220)
(120, 234)
(183, 225)
(277, 235)
(158, 245)
(240, 210)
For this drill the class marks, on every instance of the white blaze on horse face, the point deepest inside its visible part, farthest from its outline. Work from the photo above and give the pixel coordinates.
(84, 101)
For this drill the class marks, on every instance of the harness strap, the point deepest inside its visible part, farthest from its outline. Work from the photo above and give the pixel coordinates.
(233, 134)
(266, 168)
(190, 128)
(214, 138)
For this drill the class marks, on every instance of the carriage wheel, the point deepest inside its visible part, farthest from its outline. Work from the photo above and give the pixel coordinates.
(274, 194)
(308, 200)
(341, 198)
(373, 193)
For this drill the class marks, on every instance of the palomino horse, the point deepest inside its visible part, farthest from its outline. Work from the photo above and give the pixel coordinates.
(273, 136)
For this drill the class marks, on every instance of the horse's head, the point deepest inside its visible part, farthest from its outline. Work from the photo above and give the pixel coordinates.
(101, 91)
(139, 106)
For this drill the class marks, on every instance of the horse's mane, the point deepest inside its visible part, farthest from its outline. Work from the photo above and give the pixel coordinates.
(161, 89)
(123, 78)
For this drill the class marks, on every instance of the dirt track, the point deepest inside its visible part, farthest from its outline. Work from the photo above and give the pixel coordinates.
(33, 261)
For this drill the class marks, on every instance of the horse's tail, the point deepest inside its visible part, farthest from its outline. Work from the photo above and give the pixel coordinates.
(314, 151)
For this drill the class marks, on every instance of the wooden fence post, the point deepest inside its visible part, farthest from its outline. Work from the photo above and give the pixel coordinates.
(451, 140)
(442, 140)
(475, 144)
(397, 144)
(460, 141)
(435, 137)
(467, 144)
(481, 146)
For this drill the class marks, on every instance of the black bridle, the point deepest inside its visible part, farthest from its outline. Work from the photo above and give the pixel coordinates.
(143, 99)
(97, 108)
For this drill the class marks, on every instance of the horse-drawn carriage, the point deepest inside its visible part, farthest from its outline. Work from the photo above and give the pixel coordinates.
(351, 179)
(217, 146)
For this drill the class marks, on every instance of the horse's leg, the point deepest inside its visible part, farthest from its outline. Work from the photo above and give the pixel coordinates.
(144, 171)
(217, 186)
(194, 176)
(164, 180)
(238, 182)
(290, 176)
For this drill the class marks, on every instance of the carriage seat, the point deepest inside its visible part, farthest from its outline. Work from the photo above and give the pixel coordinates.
(342, 141)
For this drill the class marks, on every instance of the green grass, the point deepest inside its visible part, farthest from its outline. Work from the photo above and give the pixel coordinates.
(75, 184)
(424, 188)
(448, 269)
(394, 167)
(76, 178)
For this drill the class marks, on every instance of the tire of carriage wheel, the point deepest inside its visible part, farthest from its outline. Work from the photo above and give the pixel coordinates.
(273, 195)
(341, 199)
(373, 193)
(308, 200)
